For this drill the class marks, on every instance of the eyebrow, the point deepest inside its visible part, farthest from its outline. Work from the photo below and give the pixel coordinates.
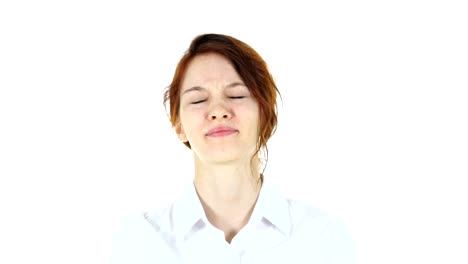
(199, 88)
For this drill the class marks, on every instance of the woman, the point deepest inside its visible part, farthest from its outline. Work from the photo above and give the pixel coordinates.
(223, 108)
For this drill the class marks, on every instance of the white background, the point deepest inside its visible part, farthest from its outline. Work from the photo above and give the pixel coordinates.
(373, 124)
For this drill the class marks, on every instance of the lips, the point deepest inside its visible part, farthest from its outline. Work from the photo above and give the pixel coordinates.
(221, 131)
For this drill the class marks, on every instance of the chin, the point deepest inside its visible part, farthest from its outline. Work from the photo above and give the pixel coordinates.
(221, 157)
(222, 154)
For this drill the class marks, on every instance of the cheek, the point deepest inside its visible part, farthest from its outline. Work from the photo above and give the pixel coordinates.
(251, 117)
(256, 120)
(191, 120)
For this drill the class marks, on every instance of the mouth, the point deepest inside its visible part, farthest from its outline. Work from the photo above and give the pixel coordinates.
(221, 133)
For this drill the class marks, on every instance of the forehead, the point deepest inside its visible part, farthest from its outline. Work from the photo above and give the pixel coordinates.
(207, 68)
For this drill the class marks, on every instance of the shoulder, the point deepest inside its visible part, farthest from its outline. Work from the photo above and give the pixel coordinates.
(138, 239)
(142, 222)
(305, 214)
(323, 230)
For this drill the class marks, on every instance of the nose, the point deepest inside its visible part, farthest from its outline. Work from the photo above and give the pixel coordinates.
(220, 112)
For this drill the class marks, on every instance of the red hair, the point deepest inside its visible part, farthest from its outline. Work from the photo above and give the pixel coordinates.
(248, 64)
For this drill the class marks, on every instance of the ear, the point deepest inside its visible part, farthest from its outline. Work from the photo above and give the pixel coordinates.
(180, 131)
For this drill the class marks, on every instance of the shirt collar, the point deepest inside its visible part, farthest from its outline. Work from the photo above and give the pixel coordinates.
(188, 210)
(271, 205)
(274, 207)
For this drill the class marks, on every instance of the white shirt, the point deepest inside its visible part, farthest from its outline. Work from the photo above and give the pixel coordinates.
(280, 230)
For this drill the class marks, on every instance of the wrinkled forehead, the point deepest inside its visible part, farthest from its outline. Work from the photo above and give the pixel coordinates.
(209, 68)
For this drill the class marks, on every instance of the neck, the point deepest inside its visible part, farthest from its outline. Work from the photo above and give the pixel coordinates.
(228, 192)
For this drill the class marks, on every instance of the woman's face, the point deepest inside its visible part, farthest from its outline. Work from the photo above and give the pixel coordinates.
(217, 115)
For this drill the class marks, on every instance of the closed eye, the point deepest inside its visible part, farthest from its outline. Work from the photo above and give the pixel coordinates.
(232, 97)
(197, 102)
